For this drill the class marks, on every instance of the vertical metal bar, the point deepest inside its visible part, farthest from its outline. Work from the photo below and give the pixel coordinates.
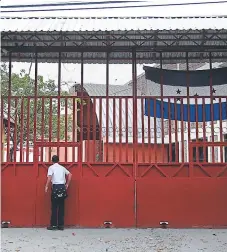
(66, 128)
(23, 154)
(197, 128)
(190, 149)
(88, 130)
(224, 136)
(35, 100)
(162, 109)
(9, 106)
(155, 131)
(142, 113)
(22, 129)
(126, 129)
(188, 102)
(42, 127)
(3, 132)
(15, 133)
(58, 122)
(94, 151)
(82, 103)
(204, 130)
(80, 148)
(120, 129)
(212, 105)
(182, 129)
(100, 129)
(59, 101)
(50, 128)
(74, 128)
(190, 158)
(135, 132)
(28, 130)
(59, 74)
(107, 106)
(221, 128)
(170, 132)
(114, 130)
(176, 133)
(149, 128)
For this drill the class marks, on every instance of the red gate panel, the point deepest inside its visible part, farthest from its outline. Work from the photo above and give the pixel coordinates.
(72, 202)
(181, 201)
(43, 203)
(107, 194)
(18, 194)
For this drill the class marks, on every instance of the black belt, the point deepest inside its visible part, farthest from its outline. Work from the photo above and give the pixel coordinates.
(58, 185)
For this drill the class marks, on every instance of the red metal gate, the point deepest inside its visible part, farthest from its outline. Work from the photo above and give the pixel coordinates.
(127, 194)
(18, 194)
(107, 194)
(98, 192)
(183, 195)
(129, 169)
(23, 189)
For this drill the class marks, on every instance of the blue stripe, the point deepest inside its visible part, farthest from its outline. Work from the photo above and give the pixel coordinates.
(175, 111)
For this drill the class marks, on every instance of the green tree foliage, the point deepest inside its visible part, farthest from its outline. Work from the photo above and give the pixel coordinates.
(23, 110)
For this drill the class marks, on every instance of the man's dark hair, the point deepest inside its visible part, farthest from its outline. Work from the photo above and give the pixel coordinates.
(55, 159)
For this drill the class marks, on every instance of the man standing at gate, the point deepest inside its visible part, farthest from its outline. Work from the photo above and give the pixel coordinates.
(57, 175)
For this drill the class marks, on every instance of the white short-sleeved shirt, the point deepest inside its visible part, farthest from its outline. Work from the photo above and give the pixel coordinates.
(58, 173)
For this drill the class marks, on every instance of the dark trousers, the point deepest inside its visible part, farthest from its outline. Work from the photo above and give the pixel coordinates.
(57, 207)
(58, 211)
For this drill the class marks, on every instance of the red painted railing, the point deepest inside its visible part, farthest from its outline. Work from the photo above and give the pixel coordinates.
(109, 129)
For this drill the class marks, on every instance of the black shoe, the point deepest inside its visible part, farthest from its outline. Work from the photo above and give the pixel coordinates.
(61, 228)
(51, 228)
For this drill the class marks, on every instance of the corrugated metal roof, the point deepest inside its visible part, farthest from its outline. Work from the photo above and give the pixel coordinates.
(173, 36)
(100, 89)
(112, 23)
(114, 90)
(223, 64)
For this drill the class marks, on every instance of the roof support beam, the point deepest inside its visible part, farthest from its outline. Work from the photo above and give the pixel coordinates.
(28, 49)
